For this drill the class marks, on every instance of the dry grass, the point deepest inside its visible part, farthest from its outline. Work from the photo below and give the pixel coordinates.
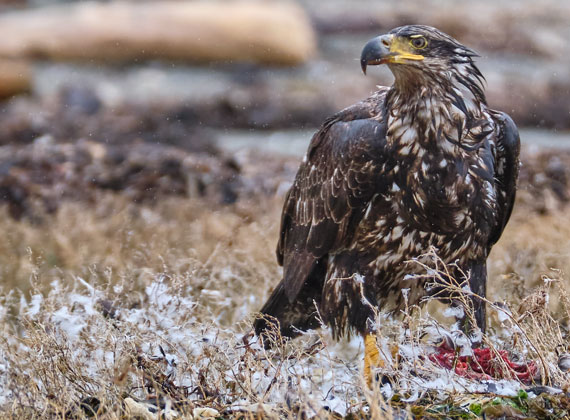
(115, 301)
(119, 242)
(532, 248)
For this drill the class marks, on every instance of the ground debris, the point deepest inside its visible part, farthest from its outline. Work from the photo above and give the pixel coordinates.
(35, 179)
(464, 406)
(73, 146)
(544, 180)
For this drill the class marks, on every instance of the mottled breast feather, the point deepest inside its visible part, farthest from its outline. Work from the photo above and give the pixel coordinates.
(340, 173)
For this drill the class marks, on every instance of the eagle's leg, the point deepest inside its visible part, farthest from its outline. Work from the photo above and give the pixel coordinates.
(478, 286)
(372, 358)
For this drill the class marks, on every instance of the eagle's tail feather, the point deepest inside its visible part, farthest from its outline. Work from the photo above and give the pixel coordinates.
(289, 318)
(272, 311)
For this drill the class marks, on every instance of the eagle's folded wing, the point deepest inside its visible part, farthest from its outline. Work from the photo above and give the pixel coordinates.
(506, 170)
(342, 171)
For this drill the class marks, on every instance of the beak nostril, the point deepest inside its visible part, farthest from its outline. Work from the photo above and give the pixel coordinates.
(386, 40)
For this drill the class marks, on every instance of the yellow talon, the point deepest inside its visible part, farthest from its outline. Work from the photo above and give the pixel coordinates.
(371, 358)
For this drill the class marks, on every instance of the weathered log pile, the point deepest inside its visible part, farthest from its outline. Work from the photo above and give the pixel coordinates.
(261, 32)
(15, 77)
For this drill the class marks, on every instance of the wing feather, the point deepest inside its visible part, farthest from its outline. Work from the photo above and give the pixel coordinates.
(506, 170)
(341, 173)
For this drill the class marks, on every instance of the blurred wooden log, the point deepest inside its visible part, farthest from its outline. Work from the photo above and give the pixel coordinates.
(15, 77)
(277, 33)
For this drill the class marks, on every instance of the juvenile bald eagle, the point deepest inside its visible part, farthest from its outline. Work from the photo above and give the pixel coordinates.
(423, 163)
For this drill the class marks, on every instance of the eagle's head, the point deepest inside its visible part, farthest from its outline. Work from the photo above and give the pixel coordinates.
(424, 57)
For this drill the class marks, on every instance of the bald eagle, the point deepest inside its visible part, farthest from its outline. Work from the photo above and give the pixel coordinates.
(419, 165)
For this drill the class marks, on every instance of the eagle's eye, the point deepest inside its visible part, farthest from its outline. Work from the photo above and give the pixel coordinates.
(418, 42)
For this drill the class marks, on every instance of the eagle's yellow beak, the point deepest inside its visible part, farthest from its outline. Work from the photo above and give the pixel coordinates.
(387, 49)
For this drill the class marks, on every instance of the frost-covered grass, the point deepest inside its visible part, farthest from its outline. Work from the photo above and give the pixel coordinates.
(109, 307)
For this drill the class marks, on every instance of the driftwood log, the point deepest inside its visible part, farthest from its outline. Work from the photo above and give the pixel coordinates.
(15, 77)
(277, 33)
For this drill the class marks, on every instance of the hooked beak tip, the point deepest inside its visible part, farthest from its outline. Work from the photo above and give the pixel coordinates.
(374, 52)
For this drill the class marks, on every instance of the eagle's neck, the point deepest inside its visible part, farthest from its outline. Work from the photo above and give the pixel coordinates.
(442, 109)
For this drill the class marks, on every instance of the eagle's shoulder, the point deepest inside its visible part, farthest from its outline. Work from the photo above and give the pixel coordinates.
(337, 178)
(372, 108)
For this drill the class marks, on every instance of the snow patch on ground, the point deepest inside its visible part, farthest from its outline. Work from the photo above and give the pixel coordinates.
(164, 327)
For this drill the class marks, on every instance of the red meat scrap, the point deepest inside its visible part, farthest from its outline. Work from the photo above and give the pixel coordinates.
(484, 363)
